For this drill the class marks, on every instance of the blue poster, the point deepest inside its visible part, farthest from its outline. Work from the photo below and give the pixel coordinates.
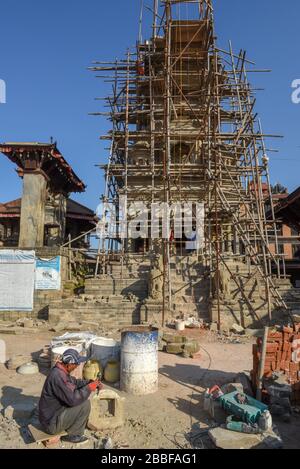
(47, 274)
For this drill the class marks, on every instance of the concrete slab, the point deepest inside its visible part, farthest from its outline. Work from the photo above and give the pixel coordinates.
(226, 439)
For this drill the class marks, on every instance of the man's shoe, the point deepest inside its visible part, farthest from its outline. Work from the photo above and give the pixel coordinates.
(75, 439)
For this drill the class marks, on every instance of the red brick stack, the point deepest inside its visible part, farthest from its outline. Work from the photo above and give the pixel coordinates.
(283, 354)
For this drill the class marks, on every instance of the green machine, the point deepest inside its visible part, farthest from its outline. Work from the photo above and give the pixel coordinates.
(244, 410)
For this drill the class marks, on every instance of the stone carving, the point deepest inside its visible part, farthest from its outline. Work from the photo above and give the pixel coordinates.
(222, 282)
(156, 278)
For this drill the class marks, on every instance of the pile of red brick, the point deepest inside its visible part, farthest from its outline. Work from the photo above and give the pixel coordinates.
(282, 355)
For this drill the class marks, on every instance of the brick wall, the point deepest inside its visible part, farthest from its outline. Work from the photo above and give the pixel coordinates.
(282, 355)
(286, 233)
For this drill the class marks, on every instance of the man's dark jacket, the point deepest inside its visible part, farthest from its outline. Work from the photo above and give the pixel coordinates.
(60, 391)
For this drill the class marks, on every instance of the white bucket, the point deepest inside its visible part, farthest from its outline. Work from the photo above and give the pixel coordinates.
(103, 349)
(180, 325)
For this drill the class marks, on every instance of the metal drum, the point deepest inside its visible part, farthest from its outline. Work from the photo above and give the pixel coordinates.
(139, 360)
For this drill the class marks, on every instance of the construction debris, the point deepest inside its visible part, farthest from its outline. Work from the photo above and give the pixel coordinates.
(237, 329)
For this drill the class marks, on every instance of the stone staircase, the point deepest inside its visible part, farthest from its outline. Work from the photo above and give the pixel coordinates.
(113, 298)
(121, 279)
(190, 288)
(247, 303)
(119, 296)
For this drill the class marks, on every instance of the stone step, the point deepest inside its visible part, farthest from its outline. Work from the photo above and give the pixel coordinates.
(112, 278)
(189, 299)
(123, 282)
(186, 277)
(203, 285)
(192, 310)
(189, 293)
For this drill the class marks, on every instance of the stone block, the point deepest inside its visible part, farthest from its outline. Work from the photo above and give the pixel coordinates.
(244, 380)
(227, 439)
(179, 339)
(8, 412)
(213, 327)
(283, 402)
(175, 348)
(296, 318)
(59, 327)
(232, 387)
(280, 391)
(107, 411)
(168, 337)
(161, 345)
(277, 410)
(19, 410)
(12, 331)
(237, 329)
(190, 348)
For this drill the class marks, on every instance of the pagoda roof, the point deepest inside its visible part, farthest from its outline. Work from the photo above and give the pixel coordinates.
(46, 158)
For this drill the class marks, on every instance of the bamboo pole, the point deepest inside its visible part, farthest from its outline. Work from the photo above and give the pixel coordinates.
(262, 365)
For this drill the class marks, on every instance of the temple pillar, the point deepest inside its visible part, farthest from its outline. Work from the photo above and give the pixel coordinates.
(33, 210)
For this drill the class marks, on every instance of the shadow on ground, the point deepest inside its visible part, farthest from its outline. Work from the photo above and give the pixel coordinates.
(193, 375)
(35, 358)
(24, 408)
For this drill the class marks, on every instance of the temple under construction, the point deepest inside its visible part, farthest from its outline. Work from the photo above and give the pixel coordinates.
(184, 129)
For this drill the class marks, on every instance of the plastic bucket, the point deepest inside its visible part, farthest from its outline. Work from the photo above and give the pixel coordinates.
(104, 349)
(180, 325)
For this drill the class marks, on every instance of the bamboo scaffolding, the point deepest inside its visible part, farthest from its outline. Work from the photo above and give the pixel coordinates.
(190, 107)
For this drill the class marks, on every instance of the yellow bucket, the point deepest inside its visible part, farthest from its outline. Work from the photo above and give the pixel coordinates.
(112, 371)
(92, 369)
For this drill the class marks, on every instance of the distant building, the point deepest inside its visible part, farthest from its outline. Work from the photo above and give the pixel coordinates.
(79, 219)
(44, 215)
(287, 212)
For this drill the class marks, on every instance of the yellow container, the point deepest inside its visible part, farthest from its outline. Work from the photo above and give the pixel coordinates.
(112, 371)
(92, 369)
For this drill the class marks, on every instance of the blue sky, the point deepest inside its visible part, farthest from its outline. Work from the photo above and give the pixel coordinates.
(46, 47)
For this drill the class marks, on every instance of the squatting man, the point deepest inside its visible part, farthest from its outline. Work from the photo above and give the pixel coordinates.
(64, 404)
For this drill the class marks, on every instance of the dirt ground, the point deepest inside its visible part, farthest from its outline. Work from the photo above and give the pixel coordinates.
(171, 418)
